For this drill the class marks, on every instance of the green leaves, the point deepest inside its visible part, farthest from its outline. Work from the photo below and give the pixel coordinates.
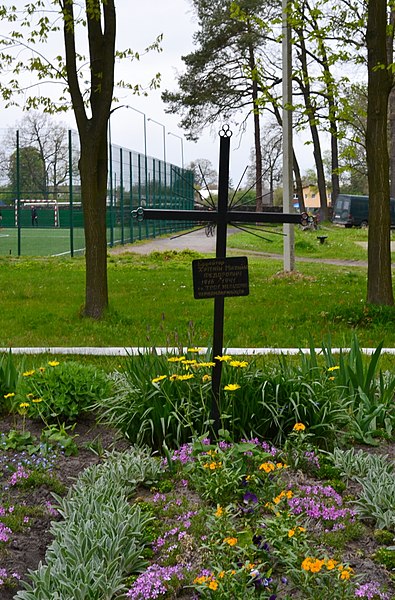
(63, 390)
(101, 538)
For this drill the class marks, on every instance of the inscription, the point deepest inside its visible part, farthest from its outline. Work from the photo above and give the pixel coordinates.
(215, 277)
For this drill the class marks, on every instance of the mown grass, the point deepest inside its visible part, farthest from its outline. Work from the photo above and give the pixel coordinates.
(341, 243)
(152, 304)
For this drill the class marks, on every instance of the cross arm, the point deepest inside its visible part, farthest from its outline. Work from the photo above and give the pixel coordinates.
(214, 217)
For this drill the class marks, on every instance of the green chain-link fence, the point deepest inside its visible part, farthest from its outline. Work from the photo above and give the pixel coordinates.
(40, 200)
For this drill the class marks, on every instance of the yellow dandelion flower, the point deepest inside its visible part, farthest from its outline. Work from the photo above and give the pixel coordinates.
(54, 363)
(176, 359)
(10, 395)
(331, 378)
(232, 387)
(37, 400)
(159, 378)
(238, 363)
(224, 358)
(212, 466)
(334, 368)
(291, 533)
(206, 378)
(189, 362)
(299, 427)
(231, 541)
(185, 377)
(28, 373)
(219, 512)
(42, 369)
(194, 350)
(29, 395)
(205, 364)
(173, 377)
(24, 405)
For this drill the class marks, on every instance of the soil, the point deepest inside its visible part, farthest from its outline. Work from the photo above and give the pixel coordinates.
(26, 549)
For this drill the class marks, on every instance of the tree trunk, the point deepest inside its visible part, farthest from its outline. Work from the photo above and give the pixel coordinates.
(298, 184)
(93, 168)
(379, 289)
(391, 119)
(257, 133)
(296, 169)
(392, 141)
(310, 111)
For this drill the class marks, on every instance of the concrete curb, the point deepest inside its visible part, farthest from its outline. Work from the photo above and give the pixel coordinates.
(135, 351)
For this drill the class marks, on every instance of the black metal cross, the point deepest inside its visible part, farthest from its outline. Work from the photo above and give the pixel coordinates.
(222, 217)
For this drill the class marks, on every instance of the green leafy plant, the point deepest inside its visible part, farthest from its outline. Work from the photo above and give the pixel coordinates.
(377, 499)
(386, 556)
(367, 391)
(101, 537)
(58, 437)
(19, 441)
(62, 391)
(8, 380)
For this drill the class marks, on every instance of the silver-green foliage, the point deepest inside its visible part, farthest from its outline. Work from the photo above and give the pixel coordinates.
(376, 475)
(101, 538)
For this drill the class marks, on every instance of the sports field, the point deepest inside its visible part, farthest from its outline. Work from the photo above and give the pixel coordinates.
(52, 241)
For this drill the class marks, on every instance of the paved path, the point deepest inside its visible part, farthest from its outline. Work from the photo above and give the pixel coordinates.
(199, 242)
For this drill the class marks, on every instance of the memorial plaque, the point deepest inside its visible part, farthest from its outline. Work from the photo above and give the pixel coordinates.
(220, 277)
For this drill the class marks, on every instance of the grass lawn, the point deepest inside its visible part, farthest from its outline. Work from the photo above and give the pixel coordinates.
(152, 304)
(341, 243)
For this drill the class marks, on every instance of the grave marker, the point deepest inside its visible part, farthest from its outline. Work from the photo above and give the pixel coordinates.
(204, 286)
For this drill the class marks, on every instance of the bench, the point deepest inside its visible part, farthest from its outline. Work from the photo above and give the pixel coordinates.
(322, 238)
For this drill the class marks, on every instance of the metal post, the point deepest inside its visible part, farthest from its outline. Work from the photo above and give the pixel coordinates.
(164, 145)
(71, 194)
(121, 207)
(182, 146)
(219, 301)
(289, 239)
(18, 192)
(131, 195)
(111, 188)
(145, 144)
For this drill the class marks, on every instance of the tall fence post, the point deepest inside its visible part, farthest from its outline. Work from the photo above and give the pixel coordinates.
(71, 194)
(131, 195)
(121, 207)
(111, 198)
(18, 192)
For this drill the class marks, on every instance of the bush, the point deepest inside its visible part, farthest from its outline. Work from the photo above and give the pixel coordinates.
(61, 391)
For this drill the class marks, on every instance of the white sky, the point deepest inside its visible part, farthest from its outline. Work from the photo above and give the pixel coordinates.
(139, 23)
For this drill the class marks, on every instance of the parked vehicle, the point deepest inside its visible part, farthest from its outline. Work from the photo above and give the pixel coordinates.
(353, 211)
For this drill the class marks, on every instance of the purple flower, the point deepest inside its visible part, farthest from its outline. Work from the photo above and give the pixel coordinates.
(370, 590)
(250, 497)
(154, 582)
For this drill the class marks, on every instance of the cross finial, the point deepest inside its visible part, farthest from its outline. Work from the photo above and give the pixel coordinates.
(225, 131)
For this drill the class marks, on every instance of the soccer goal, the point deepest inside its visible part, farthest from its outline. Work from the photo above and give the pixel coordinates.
(36, 213)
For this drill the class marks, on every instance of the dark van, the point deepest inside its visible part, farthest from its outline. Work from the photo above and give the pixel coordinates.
(353, 211)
